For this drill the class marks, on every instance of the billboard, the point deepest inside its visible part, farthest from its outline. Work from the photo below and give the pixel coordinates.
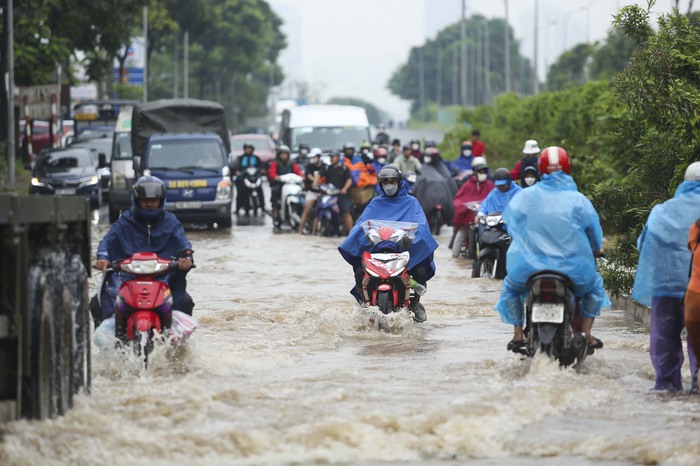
(132, 72)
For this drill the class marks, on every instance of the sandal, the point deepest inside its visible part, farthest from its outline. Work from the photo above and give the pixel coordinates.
(594, 346)
(517, 346)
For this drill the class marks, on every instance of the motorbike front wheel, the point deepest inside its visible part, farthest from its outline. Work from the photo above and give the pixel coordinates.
(484, 267)
(385, 302)
(436, 221)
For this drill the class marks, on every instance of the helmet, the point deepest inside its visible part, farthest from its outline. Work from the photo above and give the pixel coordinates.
(315, 152)
(381, 152)
(348, 145)
(554, 159)
(530, 169)
(390, 172)
(531, 147)
(501, 176)
(283, 148)
(396, 142)
(335, 153)
(148, 187)
(692, 173)
(248, 144)
(415, 141)
(304, 145)
(466, 145)
(365, 145)
(479, 163)
(430, 143)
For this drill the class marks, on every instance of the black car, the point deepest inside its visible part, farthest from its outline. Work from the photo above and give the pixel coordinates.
(67, 172)
(101, 149)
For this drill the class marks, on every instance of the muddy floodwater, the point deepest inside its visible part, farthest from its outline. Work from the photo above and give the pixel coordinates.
(285, 370)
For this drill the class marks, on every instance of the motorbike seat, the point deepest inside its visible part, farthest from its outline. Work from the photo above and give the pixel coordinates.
(551, 275)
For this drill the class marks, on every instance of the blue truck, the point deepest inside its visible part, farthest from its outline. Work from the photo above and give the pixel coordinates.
(186, 143)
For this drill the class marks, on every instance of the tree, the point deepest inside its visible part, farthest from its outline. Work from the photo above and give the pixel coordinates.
(570, 68)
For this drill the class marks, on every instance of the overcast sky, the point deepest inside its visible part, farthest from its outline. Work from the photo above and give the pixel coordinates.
(350, 48)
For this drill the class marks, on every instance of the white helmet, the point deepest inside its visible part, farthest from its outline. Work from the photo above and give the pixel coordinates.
(692, 173)
(478, 163)
(531, 147)
(315, 152)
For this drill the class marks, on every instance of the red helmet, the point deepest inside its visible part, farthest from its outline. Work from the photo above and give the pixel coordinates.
(380, 152)
(554, 159)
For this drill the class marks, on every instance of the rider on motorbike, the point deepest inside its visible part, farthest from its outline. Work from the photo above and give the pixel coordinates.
(469, 197)
(338, 174)
(312, 177)
(434, 185)
(530, 177)
(381, 137)
(244, 161)
(146, 227)
(498, 199)
(415, 149)
(407, 163)
(302, 155)
(554, 227)
(530, 156)
(462, 166)
(280, 166)
(396, 205)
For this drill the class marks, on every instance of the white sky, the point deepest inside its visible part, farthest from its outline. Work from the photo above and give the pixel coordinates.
(350, 48)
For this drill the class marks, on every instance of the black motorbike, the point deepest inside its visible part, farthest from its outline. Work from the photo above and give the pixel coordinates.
(492, 247)
(252, 184)
(551, 319)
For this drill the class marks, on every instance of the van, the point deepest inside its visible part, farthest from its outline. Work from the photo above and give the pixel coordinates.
(327, 127)
(121, 166)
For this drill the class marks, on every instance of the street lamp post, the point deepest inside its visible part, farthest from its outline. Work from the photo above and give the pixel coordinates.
(507, 47)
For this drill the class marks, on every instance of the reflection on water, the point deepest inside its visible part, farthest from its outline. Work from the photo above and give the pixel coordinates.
(285, 369)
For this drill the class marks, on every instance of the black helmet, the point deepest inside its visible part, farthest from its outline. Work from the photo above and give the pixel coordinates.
(148, 187)
(396, 142)
(501, 176)
(304, 145)
(389, 172)
(430, 143)
(531, 169)
(248, 144)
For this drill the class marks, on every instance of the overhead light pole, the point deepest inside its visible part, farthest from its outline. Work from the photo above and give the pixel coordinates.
(507, 47)
(463, 55)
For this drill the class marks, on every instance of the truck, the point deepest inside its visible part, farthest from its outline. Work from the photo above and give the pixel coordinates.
(121, 165)
(44, 316)
(187, 144)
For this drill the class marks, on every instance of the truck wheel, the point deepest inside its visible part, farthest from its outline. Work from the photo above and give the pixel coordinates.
(38, 387)
(77, 282)
(226, 222)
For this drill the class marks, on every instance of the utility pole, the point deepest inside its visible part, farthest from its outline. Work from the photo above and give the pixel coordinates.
(176, 66)
(10, 87)
(455, 76)
(535, 78)
(438, 91)
(487, 60)
(421, 84)
(186, 59)
(145, 54)
(463, 48)
(507, 46)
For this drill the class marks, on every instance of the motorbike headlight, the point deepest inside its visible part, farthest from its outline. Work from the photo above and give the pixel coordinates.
(493, 220)
(144, 267)
(36, 182)
(223, 189)
(118, 180)
(251, 170)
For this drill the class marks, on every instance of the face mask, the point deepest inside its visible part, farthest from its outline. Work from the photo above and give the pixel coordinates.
(503, 188)
(365, 151)
(529, 181)
(314, 160)
(428, 159)
(381, 160)
(467, 153)
(414, 146)
(391, 189)
(303, 152)
(481, 177)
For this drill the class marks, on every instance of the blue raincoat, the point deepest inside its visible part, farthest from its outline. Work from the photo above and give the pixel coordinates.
(497, 201)
(664, 258)
(402, 208)
(128, 236)
(462, 164)
(554, 227)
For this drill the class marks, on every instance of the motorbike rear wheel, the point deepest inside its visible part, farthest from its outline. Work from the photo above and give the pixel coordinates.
(436, 221)
(385, 302)
(484, 267)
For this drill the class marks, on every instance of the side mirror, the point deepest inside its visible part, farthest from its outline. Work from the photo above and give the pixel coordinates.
(101, 160)
(137, 164)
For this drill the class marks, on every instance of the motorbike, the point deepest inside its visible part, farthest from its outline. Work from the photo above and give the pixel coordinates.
(492, 245)
(292, 200)
(550, 317)
(143, 313)
(436, 219)
(386, 282)
(409, 180)
(253, 182)
(327, 210)
(468, 248)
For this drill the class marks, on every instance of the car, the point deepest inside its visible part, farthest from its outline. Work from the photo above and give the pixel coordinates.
(101, 149)
(67, 172)
(264, 146)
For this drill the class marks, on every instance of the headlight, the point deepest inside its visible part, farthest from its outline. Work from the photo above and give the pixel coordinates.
(144, 267)
(223, 189)
(492, 220)
(118, 180)
(90, 181)
(36, 182)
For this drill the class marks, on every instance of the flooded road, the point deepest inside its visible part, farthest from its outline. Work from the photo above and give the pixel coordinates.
(283, 370)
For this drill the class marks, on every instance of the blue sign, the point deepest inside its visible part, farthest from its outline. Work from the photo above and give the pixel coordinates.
(133, 76)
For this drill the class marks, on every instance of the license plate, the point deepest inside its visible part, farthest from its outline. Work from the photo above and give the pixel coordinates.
(552, 313)
(188, 205)
(66, 192)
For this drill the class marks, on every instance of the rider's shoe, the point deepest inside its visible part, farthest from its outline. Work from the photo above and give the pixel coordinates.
(419, 314)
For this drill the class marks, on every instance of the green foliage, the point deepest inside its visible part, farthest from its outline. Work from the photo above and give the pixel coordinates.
(374, 115)
(444, 50)
(570, 68)
(612, 56)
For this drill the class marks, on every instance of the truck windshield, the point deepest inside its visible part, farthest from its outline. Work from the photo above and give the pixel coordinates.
(122, 146)
(327, 138)
(175, 154)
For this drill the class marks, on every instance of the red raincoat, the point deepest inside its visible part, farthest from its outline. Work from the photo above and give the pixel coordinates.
(471, 191)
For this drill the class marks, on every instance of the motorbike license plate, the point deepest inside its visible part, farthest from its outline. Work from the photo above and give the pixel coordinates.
(188, 205)
(552, 313)
(66, 192)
